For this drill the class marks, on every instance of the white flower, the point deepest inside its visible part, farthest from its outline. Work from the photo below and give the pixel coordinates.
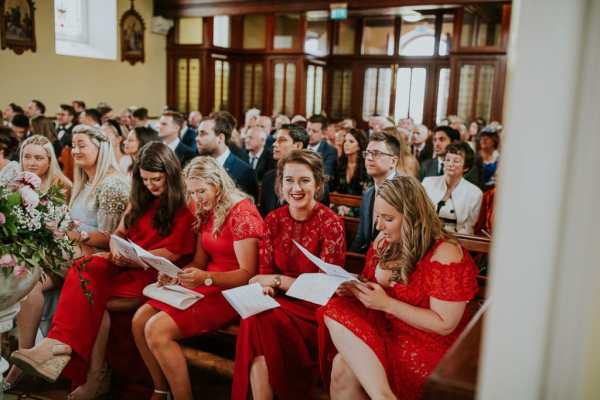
(29, 196)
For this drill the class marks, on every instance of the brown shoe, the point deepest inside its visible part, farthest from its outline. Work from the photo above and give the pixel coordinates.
(46, 360)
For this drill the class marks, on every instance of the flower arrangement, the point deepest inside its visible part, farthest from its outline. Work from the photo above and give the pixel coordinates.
(32, 228)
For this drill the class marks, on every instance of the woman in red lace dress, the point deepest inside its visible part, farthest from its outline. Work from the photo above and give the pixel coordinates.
(158, 220)
(276, 350)
(390, 333)
(230, 227)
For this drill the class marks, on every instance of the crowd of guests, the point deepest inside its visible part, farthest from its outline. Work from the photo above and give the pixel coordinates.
(226, 204)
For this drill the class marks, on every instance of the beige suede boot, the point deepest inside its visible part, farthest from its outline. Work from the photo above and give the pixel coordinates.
(46, 360)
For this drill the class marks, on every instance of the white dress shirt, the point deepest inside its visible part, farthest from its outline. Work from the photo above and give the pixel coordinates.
(173, 144)
(253, 159)
(223, 157)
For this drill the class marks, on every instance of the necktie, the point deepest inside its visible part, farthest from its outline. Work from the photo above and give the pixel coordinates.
(440, 167)
(253, 162)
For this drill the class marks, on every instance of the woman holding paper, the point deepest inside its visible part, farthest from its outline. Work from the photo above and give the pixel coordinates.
(229, 228)
(390, 333)
(157, 220)
(276, 351)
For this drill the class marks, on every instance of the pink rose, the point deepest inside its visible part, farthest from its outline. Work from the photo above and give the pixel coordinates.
(29, 196)
(2, 219)
(20, 271)
(7, 261)
(31, 179)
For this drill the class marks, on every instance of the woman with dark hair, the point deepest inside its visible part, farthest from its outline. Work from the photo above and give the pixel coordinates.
(229, 228)
(276, 350)
(8, 145)
(44, 126)
(136, 139)
(351, 177)
(116, 134)
(488, 155)
(157, 220)
(382, 338)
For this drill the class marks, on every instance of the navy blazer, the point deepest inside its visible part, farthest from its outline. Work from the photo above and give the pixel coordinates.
(184, 153)
(242, 174)
(189, 138)
(429, 168)
(329, 155)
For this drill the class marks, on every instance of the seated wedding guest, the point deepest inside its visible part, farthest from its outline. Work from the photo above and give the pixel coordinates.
(35, 109)
(421, 144)
(136, 139)
(288, 138)
(391, 332)
(377, 123)
(351, 176)
(488, 156)
(116, 135)
(105, 112)
(235, 141)
(407, 164)
(406, 123)
(9, 144)
(65, 124)
(157, 220)
(456, 200)
(45, 127)
(79, 106)
(442, 137)
(299, 120)
(276, 349)
(340, 138)
(20, 125)
(169, 126)
(281, 120)
(381, 158)
(188, 137)
(229, 228)
(259, 157)
(37, 156)
(140, 117)
(266, 124)
(474, 128)
(126, 119)
(213, 138)
(9, 111)
(90, 117)
(316, 126)
(348, 123)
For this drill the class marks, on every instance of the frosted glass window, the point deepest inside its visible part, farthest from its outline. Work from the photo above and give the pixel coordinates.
(482, 26)
(290, 88)
(221, 83)
(182, 86)
(377, 92)
(190, 30)
(284, 88)
(344, 37)
(466, 91)
(441, 111)
(485, 86)
(287, 29)
(410, 93)
(315, 40)
(255, 34)
(221, 31)
(314, 90)
(278, 84)
(253, 81)
(194, 86)
(378, 36)
(418, 38)
(341, 96)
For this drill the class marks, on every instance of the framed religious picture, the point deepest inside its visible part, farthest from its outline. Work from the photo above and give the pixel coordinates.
(17, 25)
(132, 36)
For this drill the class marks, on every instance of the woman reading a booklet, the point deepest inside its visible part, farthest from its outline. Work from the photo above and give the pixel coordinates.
(276, 352)
(390, 333)
(229, 228)
(156, 219)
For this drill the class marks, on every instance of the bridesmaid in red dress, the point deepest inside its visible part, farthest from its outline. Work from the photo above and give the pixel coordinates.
(230, 227)
(390, 333)
(277, 350)
(158, 220)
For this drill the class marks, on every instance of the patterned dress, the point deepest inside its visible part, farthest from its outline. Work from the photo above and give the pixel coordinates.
(408, 354)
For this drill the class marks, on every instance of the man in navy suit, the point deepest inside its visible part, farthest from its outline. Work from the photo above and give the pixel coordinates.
(442, 137)
(316, 127)
(259, 157)
(189, 135)
(169, 126)
(213, 138)
(382, 154)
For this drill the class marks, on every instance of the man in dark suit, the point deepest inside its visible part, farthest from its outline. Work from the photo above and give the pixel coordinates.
(383, 152)
(316, 127)
(259, 158)
(64, 124)
(169, 126)
(442, 137)
(287, 138)
(422, 145)
(189, 135)
(213, 138)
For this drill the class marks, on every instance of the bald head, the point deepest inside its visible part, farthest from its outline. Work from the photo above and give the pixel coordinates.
(265, 123)
(255, 139)
(194, 119)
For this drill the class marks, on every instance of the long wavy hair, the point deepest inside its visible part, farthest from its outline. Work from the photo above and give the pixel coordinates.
(156, 157)
(106, 164)
(421, 226)
(54, 175)
(206, 169)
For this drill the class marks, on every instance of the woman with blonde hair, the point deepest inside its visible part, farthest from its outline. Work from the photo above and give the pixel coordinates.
(390, 332)
(407, 163)
(37, 156)
(229, 228)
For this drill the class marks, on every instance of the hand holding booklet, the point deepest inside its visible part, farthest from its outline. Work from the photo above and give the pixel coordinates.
(174, 295)
(317, 287)
(143, 258)
(249, 300)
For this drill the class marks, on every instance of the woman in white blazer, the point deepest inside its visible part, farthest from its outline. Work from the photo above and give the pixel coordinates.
(456, 200)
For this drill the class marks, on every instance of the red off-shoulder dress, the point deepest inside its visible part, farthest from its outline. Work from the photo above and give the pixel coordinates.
(287, 336)
(213, 312)
(408, 354)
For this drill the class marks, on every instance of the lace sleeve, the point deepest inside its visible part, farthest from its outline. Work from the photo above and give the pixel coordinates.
(333, 245)
(111, 197)
(266, 264)
(451, 282)
(246, 223)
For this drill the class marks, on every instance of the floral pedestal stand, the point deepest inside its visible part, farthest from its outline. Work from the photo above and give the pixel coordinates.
(6, 323)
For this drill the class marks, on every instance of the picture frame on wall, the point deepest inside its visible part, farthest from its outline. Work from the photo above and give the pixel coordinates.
(17, 25)
(132, 37)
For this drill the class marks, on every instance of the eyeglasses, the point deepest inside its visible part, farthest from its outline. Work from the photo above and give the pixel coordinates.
(375, 154)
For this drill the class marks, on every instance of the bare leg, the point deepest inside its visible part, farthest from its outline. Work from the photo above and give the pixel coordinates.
(97, 370)
(259, 380)
(344, 385)
(161, 336)
(140, 319)
(361, 360)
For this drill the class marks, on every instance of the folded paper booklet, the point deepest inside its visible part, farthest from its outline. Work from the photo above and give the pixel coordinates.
(249, 300)
(143, 258)
(317, 287)
(174, 295)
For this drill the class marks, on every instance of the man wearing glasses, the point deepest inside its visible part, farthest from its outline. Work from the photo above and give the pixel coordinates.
(381, 157)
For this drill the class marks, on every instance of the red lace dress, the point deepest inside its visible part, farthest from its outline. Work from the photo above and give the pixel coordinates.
(287, 336)
(76, 320)
(213, 311)
(408, 354)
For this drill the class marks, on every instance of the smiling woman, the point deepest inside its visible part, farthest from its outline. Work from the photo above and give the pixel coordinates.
(37, 156)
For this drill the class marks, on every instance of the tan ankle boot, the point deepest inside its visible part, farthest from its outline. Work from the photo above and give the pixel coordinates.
(46, 360)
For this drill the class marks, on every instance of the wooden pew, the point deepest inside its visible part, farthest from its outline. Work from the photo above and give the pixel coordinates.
(350, 223)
